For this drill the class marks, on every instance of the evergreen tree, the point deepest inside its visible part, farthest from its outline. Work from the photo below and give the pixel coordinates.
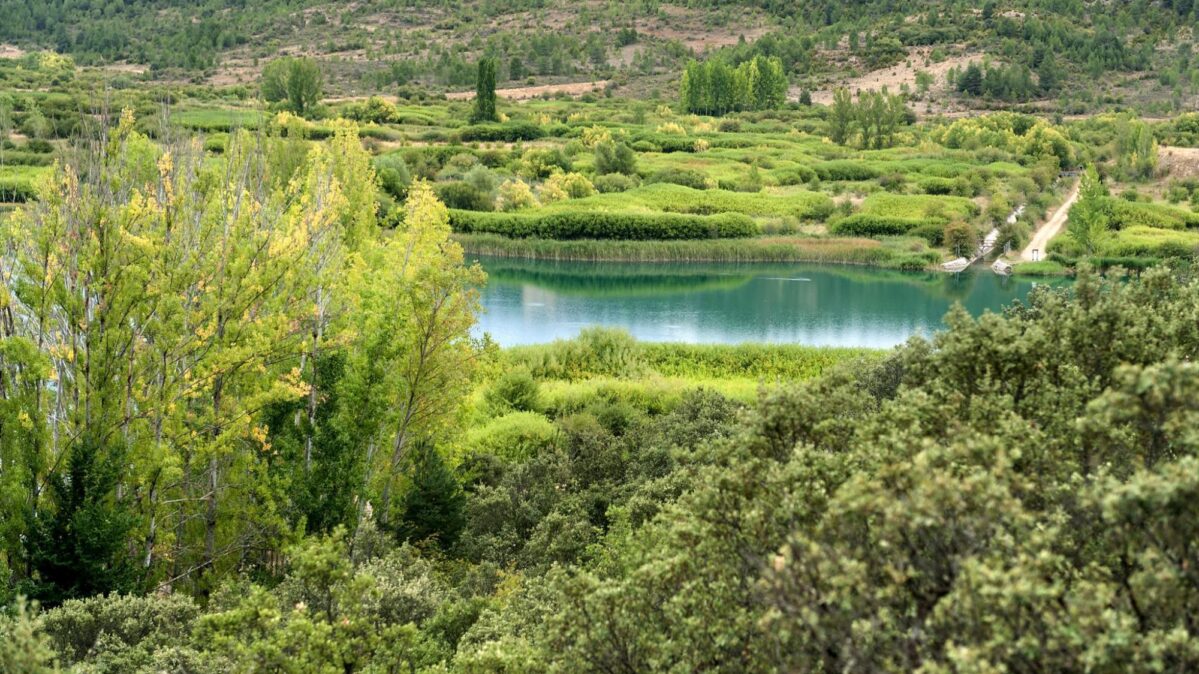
(434, 505)
(1048, 74)
(76, 546)
(484, 110)
(971, 80)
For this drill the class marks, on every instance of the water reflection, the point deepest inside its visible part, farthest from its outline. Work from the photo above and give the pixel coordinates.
(536, 301)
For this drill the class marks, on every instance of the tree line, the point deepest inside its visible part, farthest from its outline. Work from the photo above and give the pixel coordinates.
(715, 87)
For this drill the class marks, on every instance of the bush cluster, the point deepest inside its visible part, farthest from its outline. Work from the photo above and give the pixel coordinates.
(585, 225)
(866, 224)
(501, 133)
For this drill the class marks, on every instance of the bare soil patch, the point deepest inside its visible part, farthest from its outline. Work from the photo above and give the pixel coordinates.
(525, 93)
(690, 27)
(899, 74)
(1178, 162)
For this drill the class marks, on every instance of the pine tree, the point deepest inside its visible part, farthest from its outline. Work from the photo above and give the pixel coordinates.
(485, 93)
(76, 546)
(1048, 75)
(971, 80)
(434, 505)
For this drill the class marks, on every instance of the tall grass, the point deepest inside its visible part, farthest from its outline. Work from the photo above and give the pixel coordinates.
(832, 250)
(613, 353)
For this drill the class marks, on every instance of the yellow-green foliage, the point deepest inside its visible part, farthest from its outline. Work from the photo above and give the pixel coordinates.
(1162, 216)
(680, 199)
(767, 362)
(218, 119)
(605, 352)
(19, 183)
(934, 207)
(1008, 131)
(1151, 241)
(515, 436)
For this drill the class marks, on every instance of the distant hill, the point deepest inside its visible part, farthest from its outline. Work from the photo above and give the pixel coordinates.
(1068, 55)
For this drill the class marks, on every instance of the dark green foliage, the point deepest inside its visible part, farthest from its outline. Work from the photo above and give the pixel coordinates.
(484, 107)
(321, 458)
(76, 543)
(971, 80)
(662, 142)
(507, 133)
(460, 194)
(867, 224)
(433, 505)
(592, 225)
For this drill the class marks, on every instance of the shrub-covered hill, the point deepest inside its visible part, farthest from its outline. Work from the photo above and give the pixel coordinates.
(1088, 52)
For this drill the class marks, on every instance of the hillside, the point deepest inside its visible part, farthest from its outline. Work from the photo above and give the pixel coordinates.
(1071, 56)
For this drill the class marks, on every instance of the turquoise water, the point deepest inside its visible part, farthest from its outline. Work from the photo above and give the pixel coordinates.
(532, 301)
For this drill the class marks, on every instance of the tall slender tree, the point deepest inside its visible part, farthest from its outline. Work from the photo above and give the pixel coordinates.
(484, 110)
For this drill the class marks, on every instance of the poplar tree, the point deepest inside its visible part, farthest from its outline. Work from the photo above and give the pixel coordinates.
(484, 110)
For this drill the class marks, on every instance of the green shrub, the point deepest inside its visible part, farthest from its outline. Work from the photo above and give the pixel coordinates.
(685, 177)
(937, 185)
(797, 176)
(541, 163)
(846, 170)
(596, 352)
(16, 190)
(562, 224)
(1126, 214)
(120, 630)
(503, 133)
(216, 143)
(614, 182)
(38, 145)
(460, 194)
(866, 224)
(665, 142)
(514, 437)
(932, 232)
(931, 208)
(612, 157)
(24, 158)
(515, 391)
(394, 177)
(1141, 241)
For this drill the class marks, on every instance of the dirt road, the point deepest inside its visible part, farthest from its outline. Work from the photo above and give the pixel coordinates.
(1040, 239)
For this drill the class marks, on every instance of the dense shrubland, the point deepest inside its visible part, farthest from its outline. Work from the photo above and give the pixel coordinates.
(1027, 478)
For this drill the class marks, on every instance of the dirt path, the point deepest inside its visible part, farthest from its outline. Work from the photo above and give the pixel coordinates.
(1042, 237)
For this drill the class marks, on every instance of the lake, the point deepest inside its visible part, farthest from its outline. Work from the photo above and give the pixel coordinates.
(532, 301)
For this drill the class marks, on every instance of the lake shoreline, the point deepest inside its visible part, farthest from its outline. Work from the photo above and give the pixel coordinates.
(527, 301)
(816, 250)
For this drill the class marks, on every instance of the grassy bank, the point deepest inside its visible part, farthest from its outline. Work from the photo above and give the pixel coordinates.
(604, 352)
(900, 253)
